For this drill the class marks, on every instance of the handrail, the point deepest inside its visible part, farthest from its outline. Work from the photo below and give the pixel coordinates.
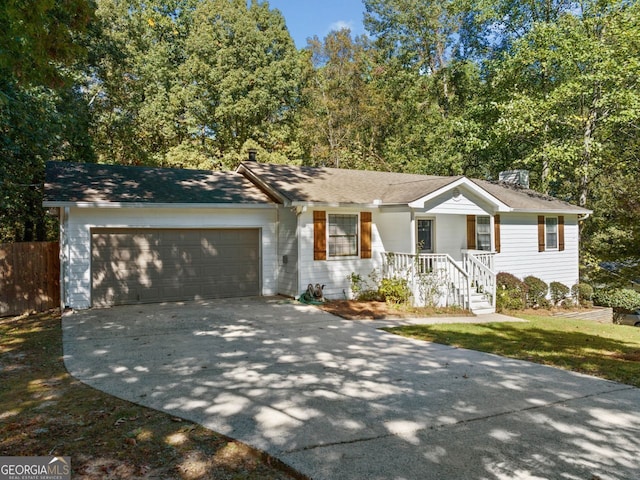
(481, 274)
(413, 266)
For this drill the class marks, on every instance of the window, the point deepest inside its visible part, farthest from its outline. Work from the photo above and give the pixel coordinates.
(483, 233)
(425, 235)
(551, 233)
(343, 235)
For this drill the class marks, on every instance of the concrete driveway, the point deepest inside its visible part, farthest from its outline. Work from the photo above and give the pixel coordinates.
(338, 399)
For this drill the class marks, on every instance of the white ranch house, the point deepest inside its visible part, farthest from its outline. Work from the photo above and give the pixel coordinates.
(139, 234)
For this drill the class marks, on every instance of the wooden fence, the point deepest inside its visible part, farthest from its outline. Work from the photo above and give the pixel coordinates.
(29, 277)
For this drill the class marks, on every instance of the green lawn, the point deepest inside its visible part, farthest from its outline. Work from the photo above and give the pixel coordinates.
(604, 350)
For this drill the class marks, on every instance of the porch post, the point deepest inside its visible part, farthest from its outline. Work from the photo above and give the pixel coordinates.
(492, 231)
(412, 234)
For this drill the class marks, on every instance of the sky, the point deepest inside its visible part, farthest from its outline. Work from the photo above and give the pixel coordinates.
(306, 18)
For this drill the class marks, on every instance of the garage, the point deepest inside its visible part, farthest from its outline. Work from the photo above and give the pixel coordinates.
(130, 266)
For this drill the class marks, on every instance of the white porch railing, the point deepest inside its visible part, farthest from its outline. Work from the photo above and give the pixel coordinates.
(436, 278)
(433, 278)
(479, 265)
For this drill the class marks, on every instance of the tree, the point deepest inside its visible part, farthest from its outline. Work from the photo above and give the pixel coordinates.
(190, 83)
(343, 116)
(567, 88)
(40, 36)
(242, 80)
(42, 113)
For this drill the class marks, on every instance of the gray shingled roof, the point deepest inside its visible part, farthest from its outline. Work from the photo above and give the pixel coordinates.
(520, 198)
(67, 182)
(336, 185)
(333, 185)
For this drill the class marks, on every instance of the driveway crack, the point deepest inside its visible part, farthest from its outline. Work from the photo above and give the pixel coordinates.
(459, 422)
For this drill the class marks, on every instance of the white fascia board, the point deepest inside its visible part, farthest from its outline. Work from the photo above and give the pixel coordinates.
(463, 182)
(157, 205)
(335, 205)
(551, 211)
(256, 180)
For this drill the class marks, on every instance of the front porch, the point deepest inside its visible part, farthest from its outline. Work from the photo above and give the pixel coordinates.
(436, 279)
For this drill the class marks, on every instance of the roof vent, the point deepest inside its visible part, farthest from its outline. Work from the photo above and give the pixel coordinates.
(253, 155)
(515, 177)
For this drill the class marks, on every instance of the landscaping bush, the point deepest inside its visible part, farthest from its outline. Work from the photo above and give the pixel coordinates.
(395, 290)
(510, 292)
(537, 290)
(622, 300)
(582, 293)
(364, 290)
(559, 292)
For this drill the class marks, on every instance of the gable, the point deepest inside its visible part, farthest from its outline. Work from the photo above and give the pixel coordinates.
(457, 201)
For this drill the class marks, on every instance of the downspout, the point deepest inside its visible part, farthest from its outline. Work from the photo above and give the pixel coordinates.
(64, 257)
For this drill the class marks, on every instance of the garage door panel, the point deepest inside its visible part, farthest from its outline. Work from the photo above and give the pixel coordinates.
(146, 266)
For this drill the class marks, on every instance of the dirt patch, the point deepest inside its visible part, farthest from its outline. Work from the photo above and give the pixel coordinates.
(44, 411)
(359, 310)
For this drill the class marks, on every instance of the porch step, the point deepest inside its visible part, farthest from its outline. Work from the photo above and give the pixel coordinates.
(483, 311)
(479, 304)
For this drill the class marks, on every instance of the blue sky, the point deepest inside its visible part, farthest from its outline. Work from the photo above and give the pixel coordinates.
(306, 18)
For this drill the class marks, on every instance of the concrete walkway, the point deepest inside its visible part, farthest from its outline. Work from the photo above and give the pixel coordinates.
(339, 399)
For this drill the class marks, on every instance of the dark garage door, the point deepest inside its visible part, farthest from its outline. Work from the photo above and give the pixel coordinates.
(156, 265)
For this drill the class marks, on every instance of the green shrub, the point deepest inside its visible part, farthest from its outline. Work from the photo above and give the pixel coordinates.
(429, 288)
(365, 290)
(622, 300)
(510, 292)
(537, 291)
(395, 290)
(582, 293)
(559, 292)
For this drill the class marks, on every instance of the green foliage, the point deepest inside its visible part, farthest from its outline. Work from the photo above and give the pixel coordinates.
(40, 39)
(43, 116)
(430, 286)
(582, 293)
(618, 298)
(364, 289)
(537, 291)
(510, 292)
(395, 290)
(559, 291)
(186, 83)
(37, 124)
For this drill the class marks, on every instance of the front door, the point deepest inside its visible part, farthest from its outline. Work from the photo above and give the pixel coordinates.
(425, 235)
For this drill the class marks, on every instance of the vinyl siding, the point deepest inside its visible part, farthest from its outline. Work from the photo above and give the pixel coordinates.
(287, 252)
(519, 253)
(451, 235)
(76, 270)
(466, 203)
(334, 272)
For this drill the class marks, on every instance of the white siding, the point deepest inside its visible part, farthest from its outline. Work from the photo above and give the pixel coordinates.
(519, 252)
(466, 203)
(333, 273)
(76, 271)
(287, 252)
(394, 230)
(451, 235)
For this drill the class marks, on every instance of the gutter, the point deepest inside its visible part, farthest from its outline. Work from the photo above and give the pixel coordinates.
(49, 204)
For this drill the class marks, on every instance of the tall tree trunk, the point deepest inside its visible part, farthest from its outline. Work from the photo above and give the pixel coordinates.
(587, 154)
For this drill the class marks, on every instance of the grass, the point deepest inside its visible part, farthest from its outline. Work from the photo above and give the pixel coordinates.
(44, 411)
(603, 350)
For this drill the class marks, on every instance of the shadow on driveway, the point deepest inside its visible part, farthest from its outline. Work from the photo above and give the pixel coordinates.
(335, 398)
